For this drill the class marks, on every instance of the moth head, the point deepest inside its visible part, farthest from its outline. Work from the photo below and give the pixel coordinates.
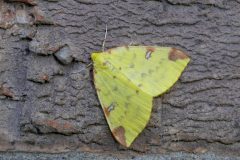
(99, 60)
(94, 56)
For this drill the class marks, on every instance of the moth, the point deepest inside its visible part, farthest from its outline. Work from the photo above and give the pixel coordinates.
(128, 78)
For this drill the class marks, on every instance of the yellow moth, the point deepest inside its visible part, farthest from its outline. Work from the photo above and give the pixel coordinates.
(128, 78)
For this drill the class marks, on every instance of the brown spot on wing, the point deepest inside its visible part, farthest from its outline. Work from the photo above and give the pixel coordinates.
(149, 52)
(106, 111)
(119, 134)
(176, 54)
(150, 49)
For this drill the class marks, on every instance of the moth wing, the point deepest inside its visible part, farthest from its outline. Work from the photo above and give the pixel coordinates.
(153, 69)
(126, 108)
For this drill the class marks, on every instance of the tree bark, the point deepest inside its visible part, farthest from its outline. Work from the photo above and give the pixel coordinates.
(48, 101)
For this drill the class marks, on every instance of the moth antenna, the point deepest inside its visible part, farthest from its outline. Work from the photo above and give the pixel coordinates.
(105, 37)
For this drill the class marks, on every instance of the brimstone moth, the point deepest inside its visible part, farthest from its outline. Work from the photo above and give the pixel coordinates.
(128, 78)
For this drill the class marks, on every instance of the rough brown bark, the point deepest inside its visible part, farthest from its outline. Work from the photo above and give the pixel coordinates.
(48, 102)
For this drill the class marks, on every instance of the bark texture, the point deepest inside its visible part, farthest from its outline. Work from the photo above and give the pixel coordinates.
(47, 99)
